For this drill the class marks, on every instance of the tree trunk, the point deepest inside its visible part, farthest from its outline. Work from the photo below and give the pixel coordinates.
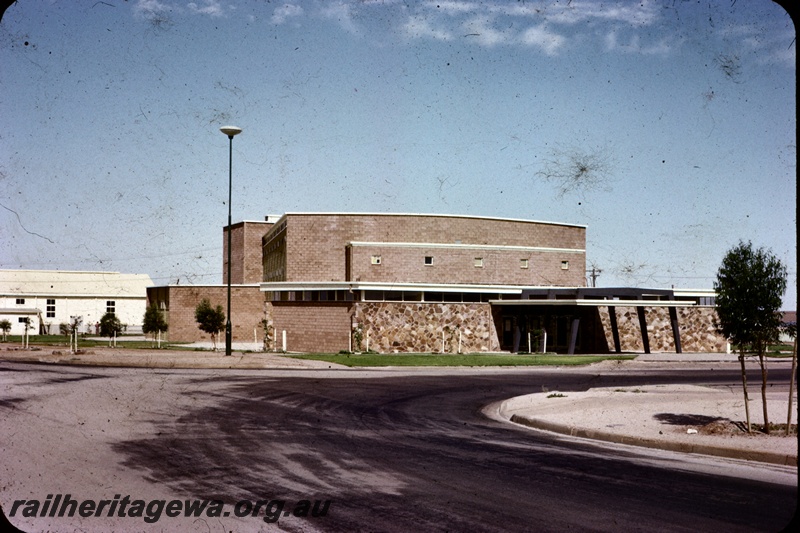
(762, 363)
(744, 387)
(791, 385)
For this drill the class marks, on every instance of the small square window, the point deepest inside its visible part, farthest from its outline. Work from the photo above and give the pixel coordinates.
(564, 265)
(428, 259)
(523, 263)
(20, 301)
(375, 260)
(478, 262)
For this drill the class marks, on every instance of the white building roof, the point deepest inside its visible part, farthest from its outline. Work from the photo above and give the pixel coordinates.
(62, 283)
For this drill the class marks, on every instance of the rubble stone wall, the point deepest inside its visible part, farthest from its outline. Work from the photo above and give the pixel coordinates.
(396, 327)
(696, 325)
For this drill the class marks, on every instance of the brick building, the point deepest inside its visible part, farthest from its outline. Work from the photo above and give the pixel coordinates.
(433, 283)
(178, 302)
(407, 282)
(447, 283)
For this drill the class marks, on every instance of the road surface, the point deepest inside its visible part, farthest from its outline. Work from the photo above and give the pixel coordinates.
(385, 450)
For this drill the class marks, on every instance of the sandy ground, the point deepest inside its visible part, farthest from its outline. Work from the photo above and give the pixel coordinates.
(684, 418)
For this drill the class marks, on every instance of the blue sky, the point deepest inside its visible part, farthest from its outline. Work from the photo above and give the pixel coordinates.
(668, 128)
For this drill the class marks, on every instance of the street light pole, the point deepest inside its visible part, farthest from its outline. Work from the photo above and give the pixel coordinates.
(230, 131)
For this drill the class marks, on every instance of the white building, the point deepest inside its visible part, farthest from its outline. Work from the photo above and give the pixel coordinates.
(47, 298)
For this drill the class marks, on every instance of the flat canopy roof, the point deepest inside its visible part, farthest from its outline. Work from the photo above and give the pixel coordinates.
(587, 302)
(518, 295)
(281, 286)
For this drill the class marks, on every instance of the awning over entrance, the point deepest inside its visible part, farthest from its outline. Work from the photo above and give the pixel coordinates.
(582, 297)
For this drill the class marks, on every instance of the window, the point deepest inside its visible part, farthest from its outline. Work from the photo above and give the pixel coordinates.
(22, 320)
(429, 260)
(523, 263)
(376, 260)
(564, 265)
(20, 301)
(110, 306)
(51, 308)
(478, 262)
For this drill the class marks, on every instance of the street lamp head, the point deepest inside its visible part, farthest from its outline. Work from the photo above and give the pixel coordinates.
(230, 131)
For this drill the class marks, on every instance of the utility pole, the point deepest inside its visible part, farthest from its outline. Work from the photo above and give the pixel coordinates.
(594, 273)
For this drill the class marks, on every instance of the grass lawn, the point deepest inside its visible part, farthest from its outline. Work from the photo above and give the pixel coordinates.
(83, 342)
(427, 359)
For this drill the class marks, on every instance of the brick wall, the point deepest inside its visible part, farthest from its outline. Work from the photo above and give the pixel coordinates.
(402, 327)
(466, 265)
(245, 252)
(387, 327)
(312, 327)
(247, 311)
(316, 248)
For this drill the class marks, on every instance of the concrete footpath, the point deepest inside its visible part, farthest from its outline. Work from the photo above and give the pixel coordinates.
(683, 418)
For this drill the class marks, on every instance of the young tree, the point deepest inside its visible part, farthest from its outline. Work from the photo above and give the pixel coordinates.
(210, 320)
(267, 333)
(71, 330)
(110, 325)
(5, 326)
(154, 321)
(28, 326)
(750, 285)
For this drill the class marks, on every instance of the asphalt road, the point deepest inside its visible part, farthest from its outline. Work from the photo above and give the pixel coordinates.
(391, 451)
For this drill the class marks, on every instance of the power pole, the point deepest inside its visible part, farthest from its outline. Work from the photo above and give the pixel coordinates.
(594, 273)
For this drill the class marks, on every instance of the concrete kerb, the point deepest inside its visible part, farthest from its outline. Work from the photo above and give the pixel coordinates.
(683, 447)
(654, 416)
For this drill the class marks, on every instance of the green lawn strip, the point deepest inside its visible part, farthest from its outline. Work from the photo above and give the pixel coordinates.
(56, 341)
(458, 360)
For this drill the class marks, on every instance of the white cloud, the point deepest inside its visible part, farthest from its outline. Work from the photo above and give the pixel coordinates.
(492, 23)
(210, 7)
(481, 29)
(454, 7)
(285, 12)
(634, 45)
(417, 27)
(636, 14)
(540, 37)
(148, 8)
(343, 13)
(766, 46)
